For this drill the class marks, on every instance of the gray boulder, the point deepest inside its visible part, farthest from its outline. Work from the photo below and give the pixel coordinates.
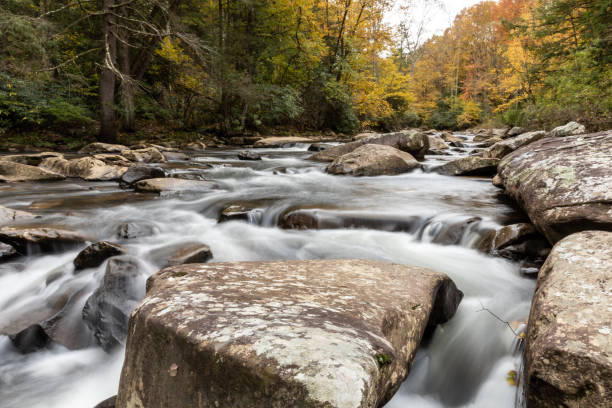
(33, 159)
(95, 254)
(469, 166)
(146, 155)
(93, 148)
(9, 216)
(324, 333)
(505, 147)
(515, 131)
(173, 186)
(139, 172)
(373, 160)
(412, 142)
(563, 183)
(28, 240)
(568, 351)
(572, 128)
(87, 168)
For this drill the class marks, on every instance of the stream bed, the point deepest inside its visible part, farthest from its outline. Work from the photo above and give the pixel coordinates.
(281, 207)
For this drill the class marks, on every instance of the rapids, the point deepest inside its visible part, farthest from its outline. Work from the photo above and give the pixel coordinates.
(419, 218)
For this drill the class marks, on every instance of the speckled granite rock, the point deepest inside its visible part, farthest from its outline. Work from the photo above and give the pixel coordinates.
(568, 356)
(325, 333)
(563, 183)
(505, 147)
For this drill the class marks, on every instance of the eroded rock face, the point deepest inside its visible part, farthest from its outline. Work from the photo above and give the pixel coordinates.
(505, 147)
(325, 333)
(572, 128)
(412, 142)
(40, 239)
(107, 310)
(564, 184)
(95, 254)
(373, 160)
(469, 166)
(173, 185)
(568, 352)
(15, 172)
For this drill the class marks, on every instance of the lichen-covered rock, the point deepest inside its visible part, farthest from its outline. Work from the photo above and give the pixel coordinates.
(15, 172)
(568, 354)
(325, 333)
(93, 148)
(40, 239)
(95, 254)
(563, 183)
(505, 147)
(373, 160)
(572, 128)
(281, 141)
(173, 185)
(413, 142)
(469, 166)
(8, 215)
(87, 168)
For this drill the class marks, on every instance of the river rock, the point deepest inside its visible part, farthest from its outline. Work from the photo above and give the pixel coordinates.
(469, 166)
(8, 215)
(515, 131)
(131, 230)
(281, 141)
(108, 309)
(139, 172)
(147, 155)
(33, 159)
(450, 138)
(568, 354)
(505, 147)
(40, 239)
(93, 148)
(244, 211)
(572, 128)
(113, 159)
(176, 156)
(195, 146)
(108, 403)
(180, 254)
(30, 339)
(373, 160)
(319, 147)
(436, 143)
(324, 333)
(95, 254)
(15, 172)
(563, 183)
(247, 155)
(412, 142)
(7, 252)
(174, 185)
(518, 242)
(316, 218)
(87, 168)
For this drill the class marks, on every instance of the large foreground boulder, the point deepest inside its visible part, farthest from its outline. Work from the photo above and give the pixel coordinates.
(413, 142)
(373, 160)
(505, 147)
(568, 355)
(14, 172)
(469, 166)
(564, 184)
(325, 333)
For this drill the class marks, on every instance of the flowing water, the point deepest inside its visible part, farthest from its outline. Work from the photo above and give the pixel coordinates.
(419, 218)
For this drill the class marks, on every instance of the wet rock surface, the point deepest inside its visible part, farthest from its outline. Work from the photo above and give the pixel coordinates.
(333, 333)
(569, 344)
(180, 254)
(505, 147)
(131, 230)
(33, 159)
(173, 185)
(9, 216)
(247, 155)
(412, 142)
(141, 172)
(94, 148)
(28, 240)
(563, 183)
(281, 141)
(373, 160)
(31, 339)
(469, 166)
(7, 252)
(87, 168)
(15, 172)
(95, 254)
(107, 310)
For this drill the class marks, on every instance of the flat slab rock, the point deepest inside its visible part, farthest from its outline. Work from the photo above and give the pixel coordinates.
(563, 183)
(568, 355)
(325, 333)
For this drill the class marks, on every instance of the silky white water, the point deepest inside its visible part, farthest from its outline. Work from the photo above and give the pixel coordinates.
(466, 361)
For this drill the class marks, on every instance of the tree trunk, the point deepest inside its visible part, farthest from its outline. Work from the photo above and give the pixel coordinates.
(128, 86)
(108, 130)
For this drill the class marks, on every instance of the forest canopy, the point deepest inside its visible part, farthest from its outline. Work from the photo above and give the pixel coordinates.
(230, 67)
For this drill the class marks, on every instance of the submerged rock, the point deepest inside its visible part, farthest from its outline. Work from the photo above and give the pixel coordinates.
(572, 128)
(139, 172)
(15, 172)
(195, 146)
(563, 183)
(505, 147)
(469, 166)
(325, 333)
(240, 212)
(40, 239)
(8, 215)
(569, 339)
(373, 160)
(174, 185)
(108, 309)
(31, 339)
(95, 254)
(412, 142)
(131, 230)
(176, 156)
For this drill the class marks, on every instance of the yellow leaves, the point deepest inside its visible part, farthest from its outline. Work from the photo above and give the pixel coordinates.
(471, 114)
(171, 51)
(511, 378)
